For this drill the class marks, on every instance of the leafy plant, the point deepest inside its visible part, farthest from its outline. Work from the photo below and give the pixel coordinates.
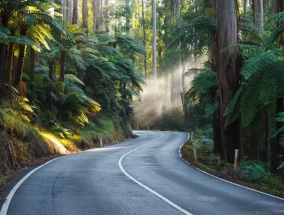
(254, 171)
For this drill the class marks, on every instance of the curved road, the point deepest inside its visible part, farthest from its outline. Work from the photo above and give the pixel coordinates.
(141, 176)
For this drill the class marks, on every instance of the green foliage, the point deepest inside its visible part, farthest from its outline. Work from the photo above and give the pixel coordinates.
(263, 85)
(253, 171)
(61, 131)
(76, 106)
(172, 120)
(46, 119)
(202, 97)
(280, 118)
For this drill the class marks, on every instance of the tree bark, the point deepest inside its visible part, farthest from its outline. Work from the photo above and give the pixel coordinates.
(258, 13)
(144, 39)
(278, 6)
(75, 12)
(106, 19)
(227, 74)
(245, 6)
(50, 74)
(9, 64)
(97, 15)
(267, 139)
(173, 6)
(32, 75)
(154, 28)
(127, 17)
(70, 11)
(278, 149)
(20, 69)
(4, 22)
(85, 16)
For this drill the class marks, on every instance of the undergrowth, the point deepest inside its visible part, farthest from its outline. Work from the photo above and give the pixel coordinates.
(250, 173)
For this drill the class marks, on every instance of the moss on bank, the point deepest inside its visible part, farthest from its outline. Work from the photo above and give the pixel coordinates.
(22, 142)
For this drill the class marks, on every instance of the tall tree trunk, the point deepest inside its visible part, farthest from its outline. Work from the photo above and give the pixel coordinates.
(173, 7)
(75, 12)
(278, 6)
(97, 15)
(245, 6)
(258, 13)
(213, 93)
(278, 149)
(65, 9)
(50, 74)
(227, 74)
(196, 5)
(106, 19)
(144, 39)
(127, 17)
(267, 139)
(20, 69)
(62, 65)
(70, 11)
(9, 64)
(85, 16)
(4, 22)
(32, 75)
(154, 29)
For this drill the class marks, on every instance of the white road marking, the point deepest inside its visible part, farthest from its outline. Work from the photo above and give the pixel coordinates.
(224, 179)
(144, 186)
(4, 209)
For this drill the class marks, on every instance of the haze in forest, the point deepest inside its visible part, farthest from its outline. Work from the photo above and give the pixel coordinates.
(165, 96)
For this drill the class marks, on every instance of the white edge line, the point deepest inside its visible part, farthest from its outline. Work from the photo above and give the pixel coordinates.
(248, 188)
(6, 204)
(144, 186)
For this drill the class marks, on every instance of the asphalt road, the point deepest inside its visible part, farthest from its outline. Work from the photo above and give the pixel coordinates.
(141, 176)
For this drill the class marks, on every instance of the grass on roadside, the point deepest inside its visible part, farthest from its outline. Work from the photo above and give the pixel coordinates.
(250, 173)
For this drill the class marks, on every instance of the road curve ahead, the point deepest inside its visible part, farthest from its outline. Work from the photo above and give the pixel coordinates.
(142, 176)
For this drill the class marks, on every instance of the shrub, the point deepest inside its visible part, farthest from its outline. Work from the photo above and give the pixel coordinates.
(253, 171)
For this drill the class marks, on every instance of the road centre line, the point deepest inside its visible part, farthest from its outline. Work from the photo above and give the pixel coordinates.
(146, 187)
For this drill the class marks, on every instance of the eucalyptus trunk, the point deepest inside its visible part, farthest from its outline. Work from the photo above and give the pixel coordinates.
(4, 22)
(144, 39)
(106, 18)
(173, 6)
(70, 11)
(227, 74)
(245, 6)
(75, 12)
(258, 13)
(20, 69)
(267, 139)
(278, 6)
(85, 16)
(127, 17)
(154, 29)
(32, 75)
(278, 149)
(97, 15)
(213, 92)
(9, 63)
(50, 75)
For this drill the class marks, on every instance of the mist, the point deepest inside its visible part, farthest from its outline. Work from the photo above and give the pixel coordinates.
(165, 96)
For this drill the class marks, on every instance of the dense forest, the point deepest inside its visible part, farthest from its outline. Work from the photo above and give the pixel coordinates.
(67, 78)
(71, 70)
(219, 67)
